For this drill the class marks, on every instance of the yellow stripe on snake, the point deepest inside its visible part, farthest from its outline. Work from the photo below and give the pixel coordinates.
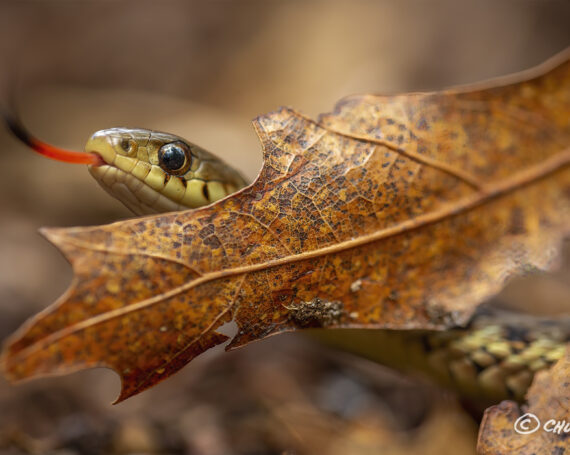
(495, 357)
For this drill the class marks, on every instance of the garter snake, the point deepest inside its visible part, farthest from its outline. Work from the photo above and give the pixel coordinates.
(494, 357)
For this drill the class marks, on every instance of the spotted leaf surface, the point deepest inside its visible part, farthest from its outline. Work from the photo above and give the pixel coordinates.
(400, 211)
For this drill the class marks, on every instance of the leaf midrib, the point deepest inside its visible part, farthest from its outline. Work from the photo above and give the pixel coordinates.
(488, 192)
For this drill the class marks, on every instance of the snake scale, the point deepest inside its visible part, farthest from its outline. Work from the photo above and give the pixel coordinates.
(494, 357)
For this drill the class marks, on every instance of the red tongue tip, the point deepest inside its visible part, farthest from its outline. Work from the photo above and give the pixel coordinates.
(49, 151)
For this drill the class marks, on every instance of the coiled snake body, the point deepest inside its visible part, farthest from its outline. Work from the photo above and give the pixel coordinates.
(495, 357)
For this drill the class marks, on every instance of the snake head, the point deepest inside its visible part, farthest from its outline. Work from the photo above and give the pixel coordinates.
(153, 172)
(148, 171)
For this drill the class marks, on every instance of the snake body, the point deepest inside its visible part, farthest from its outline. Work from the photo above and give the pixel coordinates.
(495, 357)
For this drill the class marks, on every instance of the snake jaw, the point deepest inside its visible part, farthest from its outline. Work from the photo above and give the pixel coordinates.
(138, 197)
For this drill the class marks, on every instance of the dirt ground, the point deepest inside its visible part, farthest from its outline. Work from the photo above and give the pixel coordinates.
(203, 70)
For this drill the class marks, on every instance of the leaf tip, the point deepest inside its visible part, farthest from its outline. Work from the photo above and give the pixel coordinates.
(50, 234)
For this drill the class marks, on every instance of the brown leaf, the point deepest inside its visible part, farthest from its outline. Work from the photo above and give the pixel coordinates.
(548, 404)
(394, 211)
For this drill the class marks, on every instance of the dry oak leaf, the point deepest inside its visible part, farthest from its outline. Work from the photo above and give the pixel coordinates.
(398, 211)
(548, 404)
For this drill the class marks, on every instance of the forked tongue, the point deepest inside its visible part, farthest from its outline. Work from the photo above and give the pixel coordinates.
(47, 150)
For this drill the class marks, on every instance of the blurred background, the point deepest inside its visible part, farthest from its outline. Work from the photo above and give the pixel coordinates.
(203, 70)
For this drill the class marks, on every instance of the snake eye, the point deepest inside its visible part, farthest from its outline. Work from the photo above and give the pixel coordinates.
(174, 158)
